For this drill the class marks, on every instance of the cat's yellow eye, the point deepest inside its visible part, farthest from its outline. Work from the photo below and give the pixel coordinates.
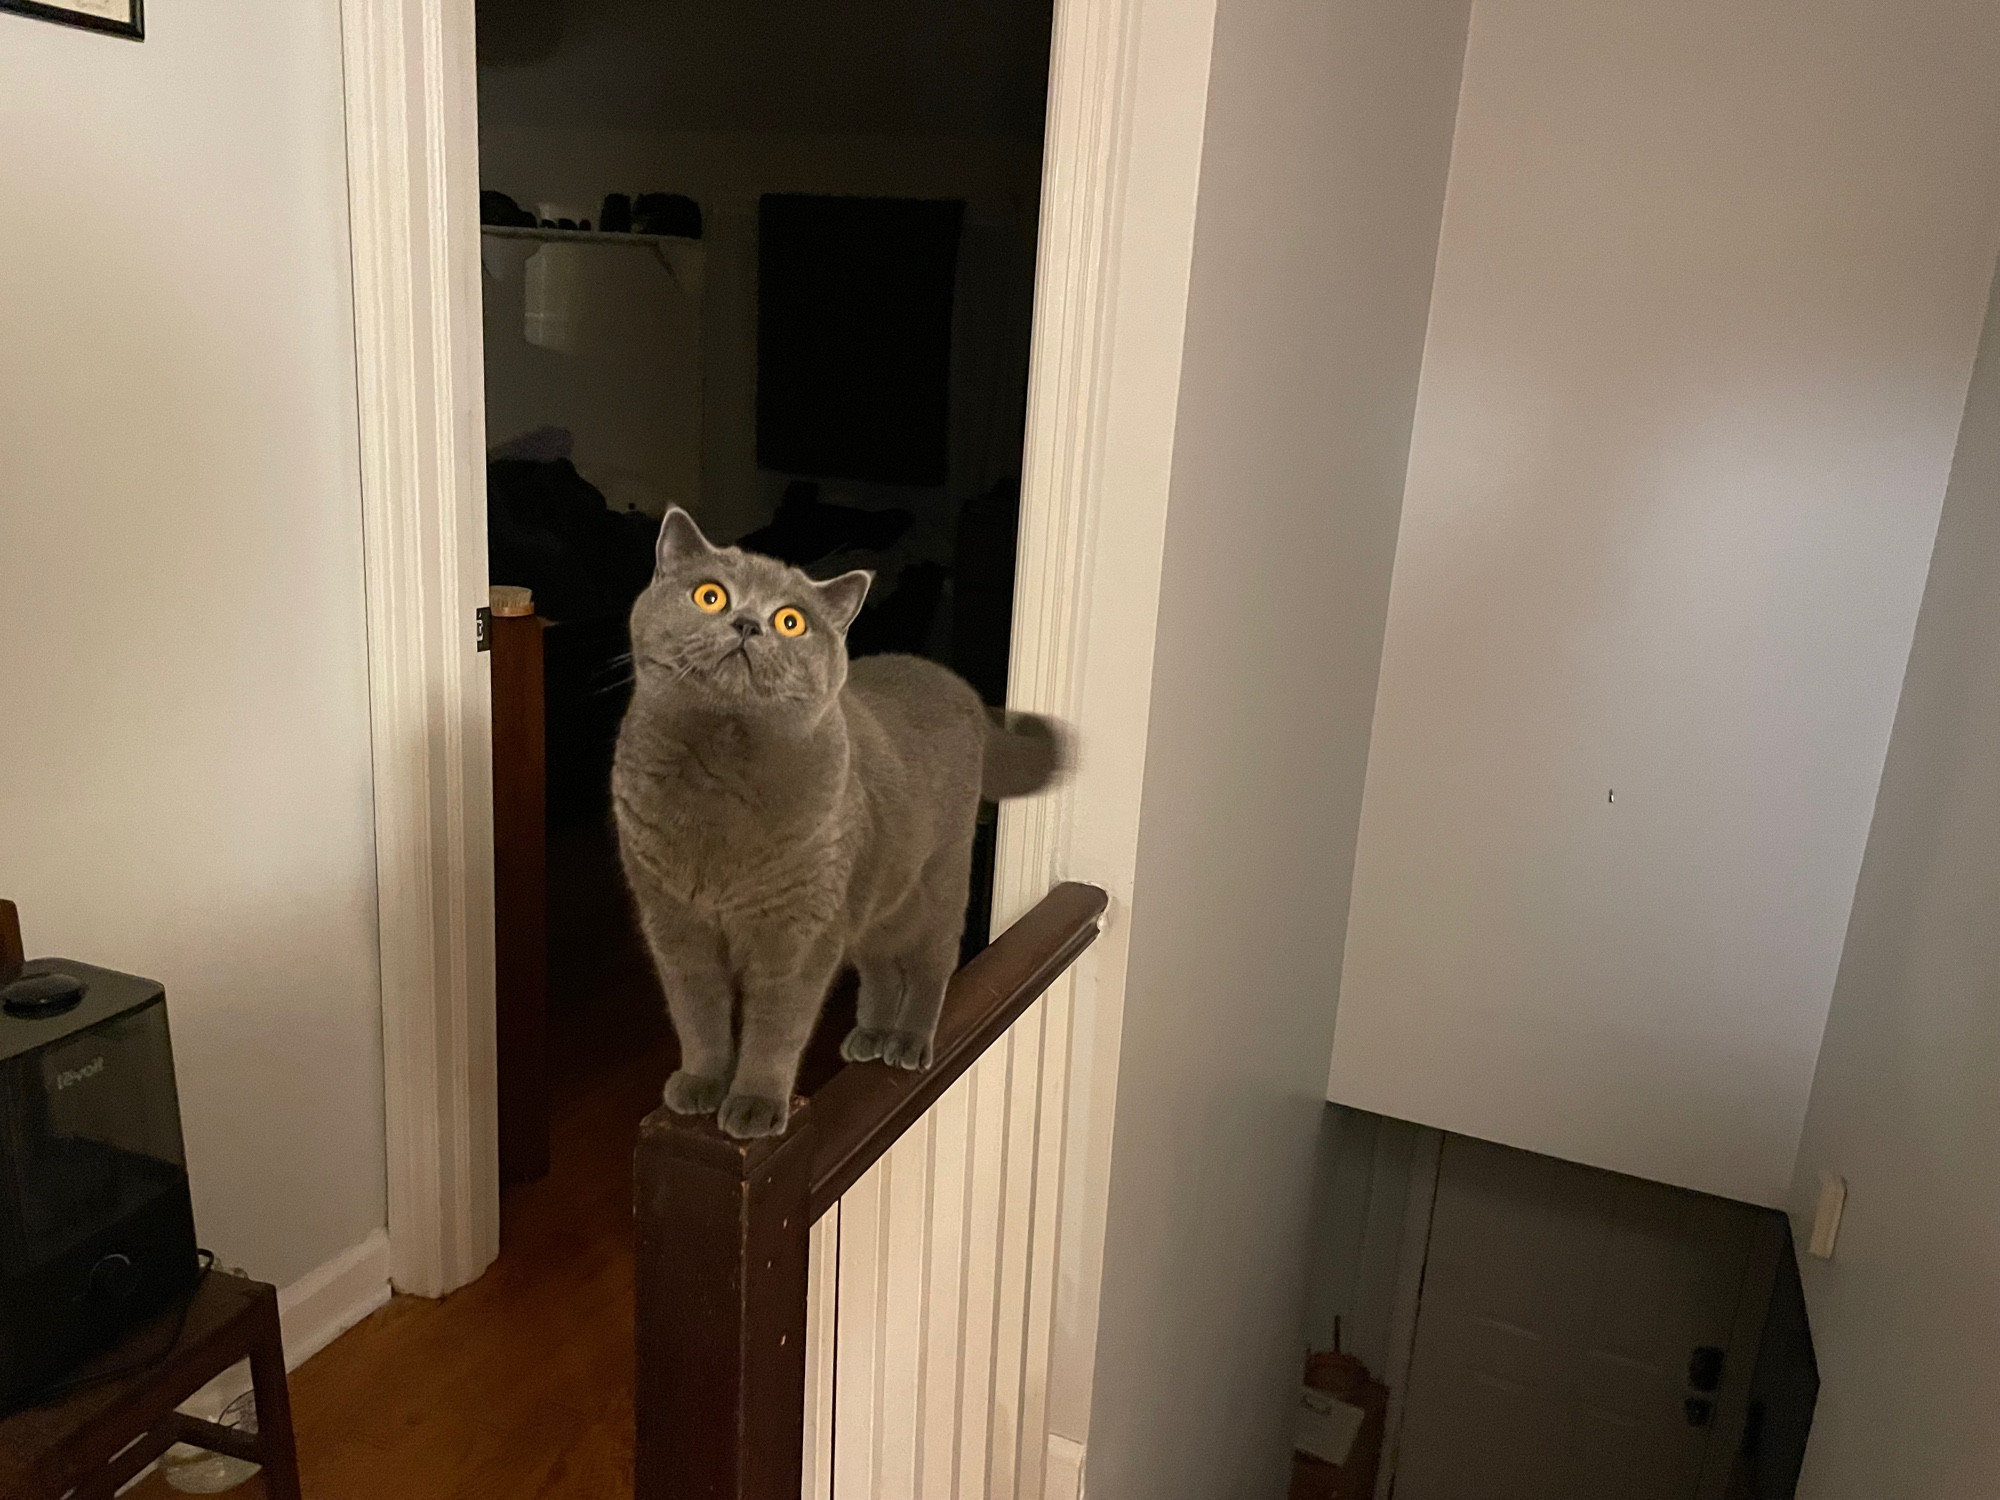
(710, 598)
(789, 623)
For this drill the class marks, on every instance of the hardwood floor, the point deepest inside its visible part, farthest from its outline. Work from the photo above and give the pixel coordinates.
(520, 1385)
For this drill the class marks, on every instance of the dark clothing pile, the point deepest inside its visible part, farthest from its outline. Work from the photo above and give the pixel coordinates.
(549, 529)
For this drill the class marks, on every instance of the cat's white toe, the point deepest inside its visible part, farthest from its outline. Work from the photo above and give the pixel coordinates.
(904, 1049)
(746, 1116)
(690, 1094)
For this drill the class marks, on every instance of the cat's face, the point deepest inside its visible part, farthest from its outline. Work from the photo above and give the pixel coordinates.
(735, 632)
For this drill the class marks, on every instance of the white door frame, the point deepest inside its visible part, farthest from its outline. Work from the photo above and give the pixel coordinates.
(413, 192)
(1127, 104)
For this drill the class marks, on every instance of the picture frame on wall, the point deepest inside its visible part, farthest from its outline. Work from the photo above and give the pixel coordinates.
(125, 18)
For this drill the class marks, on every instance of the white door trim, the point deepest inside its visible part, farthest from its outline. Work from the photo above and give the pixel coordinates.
(412, 145)
(1126, 113)
(1127, 103)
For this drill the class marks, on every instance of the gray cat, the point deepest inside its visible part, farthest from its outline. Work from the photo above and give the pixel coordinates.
(781, 813)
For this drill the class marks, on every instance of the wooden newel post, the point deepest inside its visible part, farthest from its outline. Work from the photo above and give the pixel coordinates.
(723, 1233)
(724, 1226)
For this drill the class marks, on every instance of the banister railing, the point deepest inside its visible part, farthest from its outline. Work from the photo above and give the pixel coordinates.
(723, 1226)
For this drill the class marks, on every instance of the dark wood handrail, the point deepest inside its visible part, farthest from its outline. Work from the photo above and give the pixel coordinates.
(862, 1112)
(723, 1228)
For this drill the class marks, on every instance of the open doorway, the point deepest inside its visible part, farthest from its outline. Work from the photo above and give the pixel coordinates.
(775, 266)
(1122, 156)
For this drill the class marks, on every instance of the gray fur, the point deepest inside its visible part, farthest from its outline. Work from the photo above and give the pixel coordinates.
(1023, 754)
(781, 812)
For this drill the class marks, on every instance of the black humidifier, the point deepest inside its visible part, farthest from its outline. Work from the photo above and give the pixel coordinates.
(96, 1228)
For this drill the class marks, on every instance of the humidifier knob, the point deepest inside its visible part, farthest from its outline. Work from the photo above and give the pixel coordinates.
(113, 1278)
(39, 996)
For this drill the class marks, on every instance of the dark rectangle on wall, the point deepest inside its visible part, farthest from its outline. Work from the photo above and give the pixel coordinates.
(126, 18)
(854, 309)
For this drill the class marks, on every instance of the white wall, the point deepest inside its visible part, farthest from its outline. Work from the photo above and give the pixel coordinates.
(1322, 180)
(184, 759)
(1707, 298)
(727, 172)
(1906, 1104)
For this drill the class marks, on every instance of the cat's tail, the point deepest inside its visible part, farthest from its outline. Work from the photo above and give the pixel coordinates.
(1024, 753)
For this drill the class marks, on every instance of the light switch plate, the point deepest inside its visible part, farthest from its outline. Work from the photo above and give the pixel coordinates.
(1327, 1425)
(1826, 1218)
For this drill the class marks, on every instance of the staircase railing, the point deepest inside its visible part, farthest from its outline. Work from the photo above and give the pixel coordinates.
(723, 1225)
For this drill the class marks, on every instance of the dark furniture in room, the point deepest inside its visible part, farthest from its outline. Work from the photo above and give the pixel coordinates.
(93, 1440)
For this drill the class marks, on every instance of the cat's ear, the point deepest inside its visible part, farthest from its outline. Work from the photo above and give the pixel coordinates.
(680, 540)
(841, 597)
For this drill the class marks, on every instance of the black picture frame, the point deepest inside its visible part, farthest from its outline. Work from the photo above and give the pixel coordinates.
(133, 29)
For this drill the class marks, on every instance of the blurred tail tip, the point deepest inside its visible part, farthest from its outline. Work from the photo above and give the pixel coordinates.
(1024, 754)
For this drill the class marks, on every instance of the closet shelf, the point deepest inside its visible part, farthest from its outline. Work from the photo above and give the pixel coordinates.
(589, 236)
(684, 258)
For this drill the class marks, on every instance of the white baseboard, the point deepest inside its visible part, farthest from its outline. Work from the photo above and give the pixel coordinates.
(323, 1304)
(1063, 1479)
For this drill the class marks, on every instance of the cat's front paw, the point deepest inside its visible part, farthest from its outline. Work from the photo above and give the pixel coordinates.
(905, 1049)
(746, 1116)
(899, 1049)
(690, 1094)
(864, 1044)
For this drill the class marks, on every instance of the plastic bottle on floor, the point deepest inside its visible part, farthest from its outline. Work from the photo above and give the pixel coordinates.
(196, 1471)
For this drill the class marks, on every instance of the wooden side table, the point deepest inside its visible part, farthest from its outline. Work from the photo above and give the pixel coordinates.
(101, 1434)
